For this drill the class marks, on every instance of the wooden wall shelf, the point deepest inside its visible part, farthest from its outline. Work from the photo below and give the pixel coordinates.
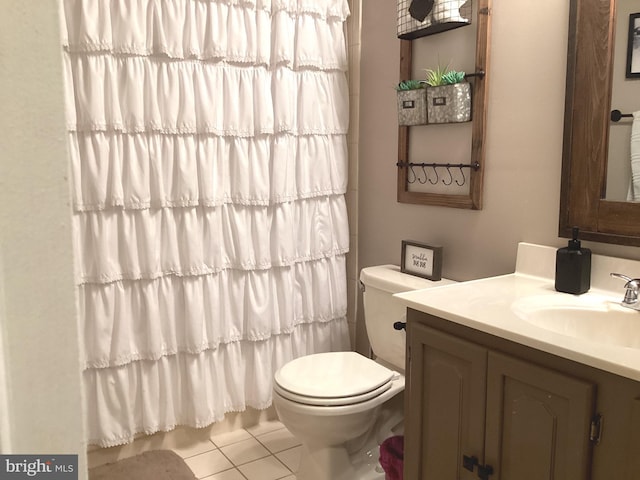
(472, 200)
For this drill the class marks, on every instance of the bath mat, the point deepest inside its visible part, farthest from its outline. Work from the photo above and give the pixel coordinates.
(153, 465)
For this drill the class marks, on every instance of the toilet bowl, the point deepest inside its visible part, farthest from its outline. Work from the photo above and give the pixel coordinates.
(342, 405)
(334, 426)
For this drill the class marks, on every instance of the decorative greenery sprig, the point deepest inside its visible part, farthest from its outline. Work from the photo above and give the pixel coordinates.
(439, 76)
(443, 76)
(452, 77)
(410, 85)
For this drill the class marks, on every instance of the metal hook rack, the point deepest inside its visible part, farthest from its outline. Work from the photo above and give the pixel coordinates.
(412, 176)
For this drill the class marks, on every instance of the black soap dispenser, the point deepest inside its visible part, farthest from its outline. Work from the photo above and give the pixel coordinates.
(573, 267)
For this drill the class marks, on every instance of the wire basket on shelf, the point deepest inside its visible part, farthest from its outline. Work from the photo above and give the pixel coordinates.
(418, 18)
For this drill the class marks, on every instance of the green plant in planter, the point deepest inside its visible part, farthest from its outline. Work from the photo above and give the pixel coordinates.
(443, 76)
(450, 100)
(406, 85)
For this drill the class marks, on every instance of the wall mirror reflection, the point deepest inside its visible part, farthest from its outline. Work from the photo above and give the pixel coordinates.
(597, 166)
(625, 98)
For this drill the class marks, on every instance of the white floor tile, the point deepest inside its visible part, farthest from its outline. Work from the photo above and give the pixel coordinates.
(278, 440)
(265, 427)
(228, 438)
(187, 451)
(188, 442)
(244, 451)
(208, 463)
(268, 468)
(291, 457)
(142, 444)
(233, 474)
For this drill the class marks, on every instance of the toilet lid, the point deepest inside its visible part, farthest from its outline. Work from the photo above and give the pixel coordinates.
(333, 375)
(331, 401)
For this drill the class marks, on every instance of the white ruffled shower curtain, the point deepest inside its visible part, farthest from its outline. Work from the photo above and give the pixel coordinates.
(209, 163)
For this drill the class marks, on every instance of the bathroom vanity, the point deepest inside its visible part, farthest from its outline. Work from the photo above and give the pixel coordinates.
(495, 390)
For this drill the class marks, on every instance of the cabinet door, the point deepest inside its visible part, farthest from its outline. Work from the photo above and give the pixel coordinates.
(445, 409)
(538, 422)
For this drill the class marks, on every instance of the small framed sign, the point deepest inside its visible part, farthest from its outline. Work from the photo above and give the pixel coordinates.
(421, 260)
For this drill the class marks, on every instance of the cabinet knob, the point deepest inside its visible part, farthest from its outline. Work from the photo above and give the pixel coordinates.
(484, 471)
(469, 462)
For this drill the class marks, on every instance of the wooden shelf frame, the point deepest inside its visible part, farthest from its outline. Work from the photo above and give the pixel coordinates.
(473, 200)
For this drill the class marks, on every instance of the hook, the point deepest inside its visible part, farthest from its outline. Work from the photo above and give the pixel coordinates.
(464, 179)
(426, 177)
(437, 175)
(409, 172)
(450, 176)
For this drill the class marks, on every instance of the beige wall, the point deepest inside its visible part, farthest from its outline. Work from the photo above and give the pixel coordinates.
(38, 315)
(523, 149)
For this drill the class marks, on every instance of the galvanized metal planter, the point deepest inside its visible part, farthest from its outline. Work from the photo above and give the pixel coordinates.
(449, 103)
(412, 107)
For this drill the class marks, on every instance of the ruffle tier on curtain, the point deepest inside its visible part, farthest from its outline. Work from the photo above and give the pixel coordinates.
(209, 164)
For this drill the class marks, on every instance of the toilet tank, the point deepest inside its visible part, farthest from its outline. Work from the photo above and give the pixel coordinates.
(382, 310)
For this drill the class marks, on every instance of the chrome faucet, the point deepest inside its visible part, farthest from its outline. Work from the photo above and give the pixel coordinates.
(632, 287)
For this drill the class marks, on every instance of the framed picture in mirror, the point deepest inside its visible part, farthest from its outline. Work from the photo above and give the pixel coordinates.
(633, 47)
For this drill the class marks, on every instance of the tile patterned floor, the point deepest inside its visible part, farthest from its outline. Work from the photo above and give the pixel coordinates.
(265, 451)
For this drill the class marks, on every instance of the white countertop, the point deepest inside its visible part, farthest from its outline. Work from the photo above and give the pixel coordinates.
(486, 305)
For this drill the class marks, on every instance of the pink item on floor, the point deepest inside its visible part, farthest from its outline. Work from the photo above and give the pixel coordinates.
(392, 457)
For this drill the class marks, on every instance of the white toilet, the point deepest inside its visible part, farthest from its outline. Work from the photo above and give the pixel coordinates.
(342, 405)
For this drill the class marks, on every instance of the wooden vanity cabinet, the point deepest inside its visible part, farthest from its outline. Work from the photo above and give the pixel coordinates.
(537, 422)
(520, 413)
(445, 390)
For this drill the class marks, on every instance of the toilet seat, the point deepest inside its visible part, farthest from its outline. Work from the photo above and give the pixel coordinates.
(331, 401)
(332, 379)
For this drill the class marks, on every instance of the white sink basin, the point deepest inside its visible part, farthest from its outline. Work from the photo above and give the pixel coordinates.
(593, 317)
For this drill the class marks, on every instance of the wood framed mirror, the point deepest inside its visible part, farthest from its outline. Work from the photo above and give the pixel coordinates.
(590, 74)
(471, 195)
